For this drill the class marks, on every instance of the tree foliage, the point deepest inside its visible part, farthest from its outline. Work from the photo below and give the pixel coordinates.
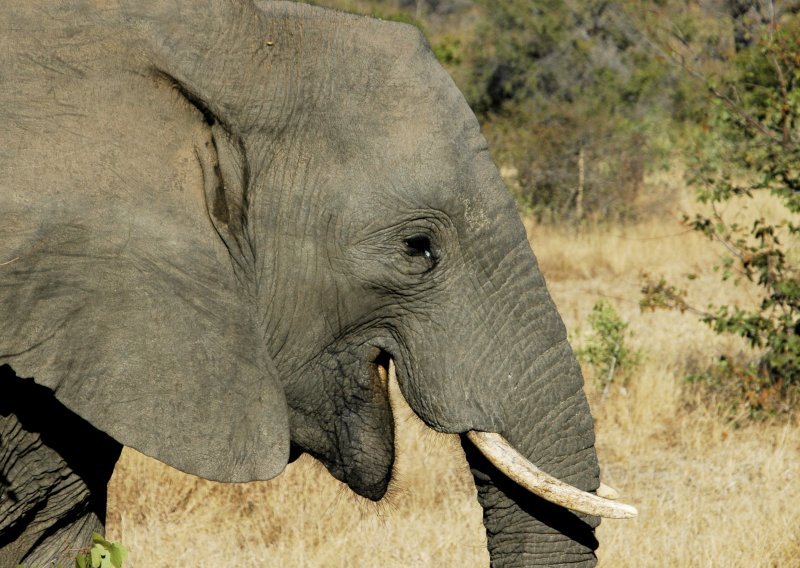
(751, 145)
(572, 100)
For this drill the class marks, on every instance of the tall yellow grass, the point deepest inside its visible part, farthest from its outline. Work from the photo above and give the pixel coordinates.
(709, 494)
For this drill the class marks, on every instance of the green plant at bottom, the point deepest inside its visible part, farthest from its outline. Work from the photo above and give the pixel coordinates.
(102, 554)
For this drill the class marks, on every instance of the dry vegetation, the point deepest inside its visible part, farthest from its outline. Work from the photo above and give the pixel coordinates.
(709, 493)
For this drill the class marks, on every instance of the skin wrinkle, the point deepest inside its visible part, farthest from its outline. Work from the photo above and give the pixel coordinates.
(563, 464)
(486, 346)
(548, 551)
(482, 278)
(333, 326)
(520, 352)
(561, 408)
(506, 322)
(47, 486)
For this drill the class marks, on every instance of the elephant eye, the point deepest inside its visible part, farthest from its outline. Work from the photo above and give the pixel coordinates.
(420, 246)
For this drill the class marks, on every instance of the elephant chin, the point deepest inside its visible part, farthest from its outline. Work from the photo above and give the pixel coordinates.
(367, 480)
(370, 472)
(360, 450)
(374, 490)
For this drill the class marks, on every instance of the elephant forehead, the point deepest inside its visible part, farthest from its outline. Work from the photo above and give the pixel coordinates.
(398, 172)
(429, 142)
(409, 139)
(357, 84)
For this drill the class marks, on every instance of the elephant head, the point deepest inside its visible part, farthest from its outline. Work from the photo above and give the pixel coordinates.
(222, 220)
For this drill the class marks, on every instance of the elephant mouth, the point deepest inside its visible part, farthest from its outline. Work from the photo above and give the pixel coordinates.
(382, 362)
(369, 471)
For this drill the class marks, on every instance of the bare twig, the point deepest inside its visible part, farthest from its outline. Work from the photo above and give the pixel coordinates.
(15, 259)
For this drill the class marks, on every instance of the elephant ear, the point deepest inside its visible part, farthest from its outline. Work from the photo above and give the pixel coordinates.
(125, 270)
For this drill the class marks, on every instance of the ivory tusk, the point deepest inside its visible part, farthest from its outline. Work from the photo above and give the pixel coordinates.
(508, 460)
(607, 492)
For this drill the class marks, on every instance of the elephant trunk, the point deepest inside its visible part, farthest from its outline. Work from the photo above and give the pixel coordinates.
(543, 514)
(510, 371)
(523, 529)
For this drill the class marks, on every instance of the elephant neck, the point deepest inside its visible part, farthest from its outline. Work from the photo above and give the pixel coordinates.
(54, 470)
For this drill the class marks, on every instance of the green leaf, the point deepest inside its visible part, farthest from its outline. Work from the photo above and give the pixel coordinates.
(95, 555)
(97, 538)
(118, 555)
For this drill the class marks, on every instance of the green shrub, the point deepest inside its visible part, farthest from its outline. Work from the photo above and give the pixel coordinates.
(751, 145)
(741, 390)
(605, 351)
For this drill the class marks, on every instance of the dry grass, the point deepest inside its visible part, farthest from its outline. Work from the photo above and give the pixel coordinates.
(709, 494)
(304, 517)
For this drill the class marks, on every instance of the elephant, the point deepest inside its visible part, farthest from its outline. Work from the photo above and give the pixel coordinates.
(222, 221)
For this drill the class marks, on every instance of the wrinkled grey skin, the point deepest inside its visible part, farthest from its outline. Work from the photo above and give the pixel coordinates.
(219, 220)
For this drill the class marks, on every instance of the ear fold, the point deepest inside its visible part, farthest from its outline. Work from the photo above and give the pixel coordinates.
(122, 288)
